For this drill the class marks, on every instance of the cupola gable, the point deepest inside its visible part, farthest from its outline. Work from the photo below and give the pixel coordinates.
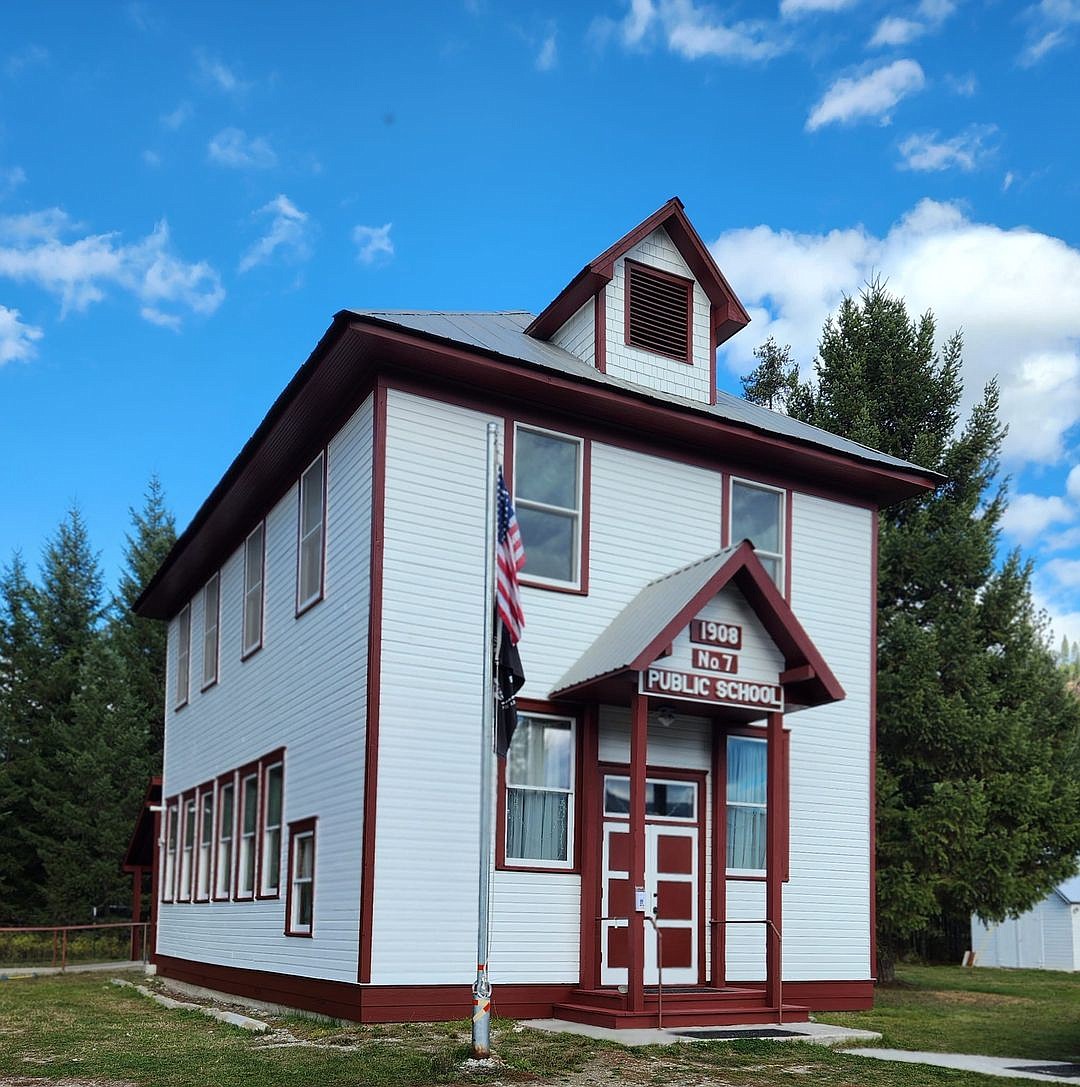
(652, 309)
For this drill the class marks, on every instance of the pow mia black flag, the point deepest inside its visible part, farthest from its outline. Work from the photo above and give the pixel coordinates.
(509, 679)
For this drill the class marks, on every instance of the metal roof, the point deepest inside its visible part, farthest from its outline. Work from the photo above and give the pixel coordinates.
(1070, 890)
(503, 334)
(642, 620)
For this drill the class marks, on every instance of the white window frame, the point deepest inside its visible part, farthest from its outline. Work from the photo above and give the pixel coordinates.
(211, 632)
(743, 804)
(183, 656)
(204, 859)
(188, 831)
(293, 927)
(247, 843)
(226, 833)
(781, 573)
(172, 840)
(266, 851)
(251, 644)
(571, 792)
(578, 513)
(302, 602)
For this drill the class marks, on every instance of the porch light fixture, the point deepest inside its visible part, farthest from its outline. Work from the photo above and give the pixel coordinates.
(665, 716)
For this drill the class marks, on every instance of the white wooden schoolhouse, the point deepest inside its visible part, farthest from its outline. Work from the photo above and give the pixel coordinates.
(687, 802)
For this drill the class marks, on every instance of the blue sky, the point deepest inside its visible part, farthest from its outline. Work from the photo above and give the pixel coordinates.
(188, 192)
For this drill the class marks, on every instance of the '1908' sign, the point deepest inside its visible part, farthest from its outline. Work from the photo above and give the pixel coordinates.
(712, 632)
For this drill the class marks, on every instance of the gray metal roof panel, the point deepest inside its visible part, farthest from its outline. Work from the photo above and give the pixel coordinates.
(1070, 890)
(642, 620)
(503, 333)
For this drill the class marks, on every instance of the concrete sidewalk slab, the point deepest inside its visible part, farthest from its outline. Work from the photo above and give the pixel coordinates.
(13, 972)
(1014, 1067)
(818, 1033)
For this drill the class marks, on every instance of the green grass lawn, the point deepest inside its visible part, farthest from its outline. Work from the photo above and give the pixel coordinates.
(79, 1027)
(998, 1013)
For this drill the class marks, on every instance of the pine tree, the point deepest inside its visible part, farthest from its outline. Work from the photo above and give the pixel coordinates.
(978, 783)
(774, 378)
(141, 642)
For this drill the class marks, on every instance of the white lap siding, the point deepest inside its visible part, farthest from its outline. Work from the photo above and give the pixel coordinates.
(305, 690)
(826, 902)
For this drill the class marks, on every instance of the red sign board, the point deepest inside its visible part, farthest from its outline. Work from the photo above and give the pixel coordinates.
(712, 632)
(715, 660)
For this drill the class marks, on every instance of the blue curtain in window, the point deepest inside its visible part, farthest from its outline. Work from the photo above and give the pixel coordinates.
(746, 783)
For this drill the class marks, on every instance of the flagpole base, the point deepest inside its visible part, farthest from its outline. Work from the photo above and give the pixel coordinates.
(481, 1019)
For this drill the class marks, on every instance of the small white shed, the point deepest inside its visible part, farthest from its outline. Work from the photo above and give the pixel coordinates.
(1047, 937)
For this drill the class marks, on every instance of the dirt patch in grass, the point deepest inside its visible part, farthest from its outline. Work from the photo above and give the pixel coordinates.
(962, 996)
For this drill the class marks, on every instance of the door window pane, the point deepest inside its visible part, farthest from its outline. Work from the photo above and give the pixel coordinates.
(663, 799)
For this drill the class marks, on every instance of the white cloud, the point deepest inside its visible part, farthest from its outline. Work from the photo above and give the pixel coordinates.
(1072, 484)
(1007, 181)
(151, 158)
(1066, 572)
(925, 151)
(871, 95)
(217, 74)
(789, 8)
(548, 56)
(233, 147)
(17, 339)
(34, 248)
(27, 57)
(1028, 516)
(10, 179)
(965, 86)
(373, 242)
(1051, 24)
(691, 32)
(1015, 294)
(288, 234)
(174, 119)
(893, 30)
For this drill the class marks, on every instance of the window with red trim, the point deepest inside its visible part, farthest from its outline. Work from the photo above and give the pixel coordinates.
(172, 834)
(248, 831)
(211, 626)
(204, 850)
(300, 896)
(270, 857)
(187, 847)
(254, 577)
(226, 833)
(311, 549)
(183, 656)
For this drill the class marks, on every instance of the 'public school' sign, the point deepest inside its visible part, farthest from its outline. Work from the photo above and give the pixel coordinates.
(713, 650)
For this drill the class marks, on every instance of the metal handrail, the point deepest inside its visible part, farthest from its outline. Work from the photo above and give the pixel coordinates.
(659, 962)
(770, 925)
(60, 935)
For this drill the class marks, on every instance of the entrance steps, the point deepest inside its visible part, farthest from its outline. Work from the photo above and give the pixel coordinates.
(683, 1006)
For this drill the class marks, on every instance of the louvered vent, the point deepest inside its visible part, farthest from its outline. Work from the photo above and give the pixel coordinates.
(658, 311)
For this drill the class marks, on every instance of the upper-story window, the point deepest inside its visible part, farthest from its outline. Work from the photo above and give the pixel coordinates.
(757, 514)
(211, 626)
(540, 793)
(254, 574)
(548, 500)
(311, 550)
(183, 655)
(659, 307)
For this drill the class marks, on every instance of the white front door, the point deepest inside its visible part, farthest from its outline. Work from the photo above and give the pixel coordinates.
(672, 882)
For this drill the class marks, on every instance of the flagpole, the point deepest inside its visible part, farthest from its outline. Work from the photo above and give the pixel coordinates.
(481, 1019)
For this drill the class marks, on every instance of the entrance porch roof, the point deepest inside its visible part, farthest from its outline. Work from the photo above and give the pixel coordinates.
(647, 626)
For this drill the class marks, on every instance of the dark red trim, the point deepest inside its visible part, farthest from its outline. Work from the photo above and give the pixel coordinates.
(718, 931)
(244, 772)
(591, 807)
(181, 700)
(600, 330)
(788, 507)
(206, 685)
(155, 890)
(687, 285)
(189, 797)
(598, 273)
(774, 857)
(265, 764)
(228, 778)
(638, 770)
(300, 826)
(714, 346)
(873, 740)
(168, 893)
(324, 457)
(245, 654)
(374, 678)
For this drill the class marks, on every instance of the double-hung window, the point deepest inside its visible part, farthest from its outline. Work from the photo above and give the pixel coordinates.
(211, 625)
(223, 863)
(172, 833)
(746, 812)
(187, 850)
(183, 655)
(757, 515)
(300, 907)
(204, 859)
(249, 821)
(311, 549)
(540, 793)
(548, 485)
(254, 570)
(270, 878)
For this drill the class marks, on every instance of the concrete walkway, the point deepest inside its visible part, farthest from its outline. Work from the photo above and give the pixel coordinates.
(11, 973)
(1014, 1067)
(818, 1033)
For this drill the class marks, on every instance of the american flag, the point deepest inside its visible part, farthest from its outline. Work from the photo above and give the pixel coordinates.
(509, 558)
